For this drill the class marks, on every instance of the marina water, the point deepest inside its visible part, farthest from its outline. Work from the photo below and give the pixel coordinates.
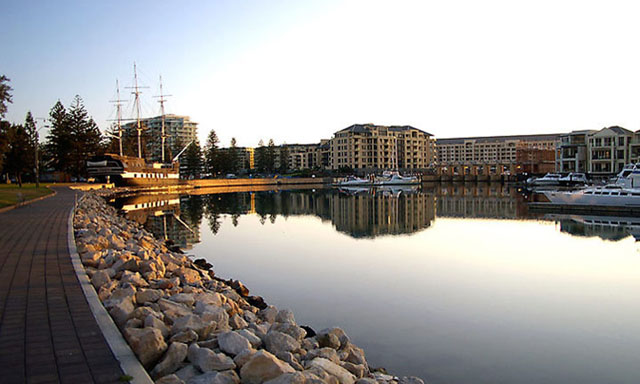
(453, 283)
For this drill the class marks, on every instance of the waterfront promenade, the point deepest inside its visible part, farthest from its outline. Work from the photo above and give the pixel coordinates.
(47, 331)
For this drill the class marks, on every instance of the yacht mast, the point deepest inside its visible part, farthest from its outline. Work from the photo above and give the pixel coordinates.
(163, 134)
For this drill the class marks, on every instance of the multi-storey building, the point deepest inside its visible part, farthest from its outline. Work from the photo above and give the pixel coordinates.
(491, 149)
(572, 151)
(374, 147)
(609, 150)
(598, 152)
(179, 131)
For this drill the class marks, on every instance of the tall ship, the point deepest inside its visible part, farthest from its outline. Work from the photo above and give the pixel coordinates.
(135, 170)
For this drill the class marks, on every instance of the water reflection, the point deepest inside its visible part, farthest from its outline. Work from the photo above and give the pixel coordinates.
(359, 212)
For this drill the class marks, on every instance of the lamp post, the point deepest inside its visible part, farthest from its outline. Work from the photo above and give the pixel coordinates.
(37, 147)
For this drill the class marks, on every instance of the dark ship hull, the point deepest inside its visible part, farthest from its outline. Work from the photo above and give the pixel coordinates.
(132, 171)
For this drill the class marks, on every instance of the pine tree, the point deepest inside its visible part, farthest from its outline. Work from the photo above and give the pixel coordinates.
(270, 157)
(86, 137)
(5, 95)
(193, 160)
(284, 158)
(259, 157)
(59, 141)
(18, 157)
(233, 156)
(211, 153)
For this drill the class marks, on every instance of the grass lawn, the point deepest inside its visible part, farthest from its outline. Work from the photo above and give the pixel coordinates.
(11, 194)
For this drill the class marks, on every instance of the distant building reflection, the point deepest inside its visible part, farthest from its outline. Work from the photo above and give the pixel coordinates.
(497, 201)
(161, 215)
(357, 212)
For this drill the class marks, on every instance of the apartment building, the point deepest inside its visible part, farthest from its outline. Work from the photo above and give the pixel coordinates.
(370, 147)
(609, 150)
(179, 131)
(502, 150)
(572, 151)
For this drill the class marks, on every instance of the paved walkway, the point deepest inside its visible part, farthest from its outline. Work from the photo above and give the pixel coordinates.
(47, 331)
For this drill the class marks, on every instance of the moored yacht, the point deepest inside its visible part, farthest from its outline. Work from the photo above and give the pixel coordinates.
(610, 195)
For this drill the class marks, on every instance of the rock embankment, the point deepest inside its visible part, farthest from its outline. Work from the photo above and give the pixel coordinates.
(187, 326)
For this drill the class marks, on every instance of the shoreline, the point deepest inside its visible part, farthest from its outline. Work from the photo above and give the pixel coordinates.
(186, 325)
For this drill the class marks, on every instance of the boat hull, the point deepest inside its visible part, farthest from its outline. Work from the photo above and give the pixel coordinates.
(580, 198)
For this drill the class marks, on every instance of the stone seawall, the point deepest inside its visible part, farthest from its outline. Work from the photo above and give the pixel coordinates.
(186, 325)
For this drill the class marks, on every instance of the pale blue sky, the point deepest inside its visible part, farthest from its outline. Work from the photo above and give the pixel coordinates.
(298, 71)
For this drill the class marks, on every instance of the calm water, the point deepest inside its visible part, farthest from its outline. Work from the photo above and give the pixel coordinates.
(453, 283)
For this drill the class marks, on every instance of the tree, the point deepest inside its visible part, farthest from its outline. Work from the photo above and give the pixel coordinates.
(284, 158)
(59, 141)
(259, 157)
(270, 157)
(211, 153)
(85, 135)
(233, 156)
(5, 95)
(19, 157)
(193, 160)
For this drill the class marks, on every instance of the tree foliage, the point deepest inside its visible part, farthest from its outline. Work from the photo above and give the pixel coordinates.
(284, 158)
(192, 163)
(73, 138)
(5, 95)
(211, 152)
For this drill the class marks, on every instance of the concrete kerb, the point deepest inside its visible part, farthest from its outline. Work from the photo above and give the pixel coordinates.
(125, 356)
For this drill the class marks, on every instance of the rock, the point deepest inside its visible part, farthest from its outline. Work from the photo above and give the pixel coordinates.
(153, 322)
(257, 302)
(332, 338)
(410, 380)
(188, 275)
(285, 316)
(142, 313)
(237, 322)
(244, 356)
(183, 298)
(193, 322)
(357, 370)
(224, 377)
(254, 340)
(240, 288)
(133, 278)
(133, 323)
(173, 310)
(217, 315)
(187, 337)
(203, 264)
(120, 312)
(209, 298)
(187, 372)
(268, 314)
(147, 343)
(343, 376)
(171, 361)
(263, 366)
(250, 316)
(127, 291)
(355, 355)
(164, 284)
(290, 359)
(207, 360)
(169, 379)
(100, 278)
(148, 295)
(326, 353)
(288, 378)
(309, 330)
(276, 342)
(210, 343)
(232, 343)
(129, 265)
(366, 380)
(290, 329)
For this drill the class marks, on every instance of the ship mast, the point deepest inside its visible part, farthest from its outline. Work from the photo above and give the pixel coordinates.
(163, 136)
(137, 93)
(118, 102)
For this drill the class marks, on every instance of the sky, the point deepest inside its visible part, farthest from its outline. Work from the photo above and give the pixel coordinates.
(298, 71)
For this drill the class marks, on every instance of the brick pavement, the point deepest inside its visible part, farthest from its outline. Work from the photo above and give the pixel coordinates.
(47, 331)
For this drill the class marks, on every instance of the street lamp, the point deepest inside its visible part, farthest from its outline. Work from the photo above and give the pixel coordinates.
(37, 145)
